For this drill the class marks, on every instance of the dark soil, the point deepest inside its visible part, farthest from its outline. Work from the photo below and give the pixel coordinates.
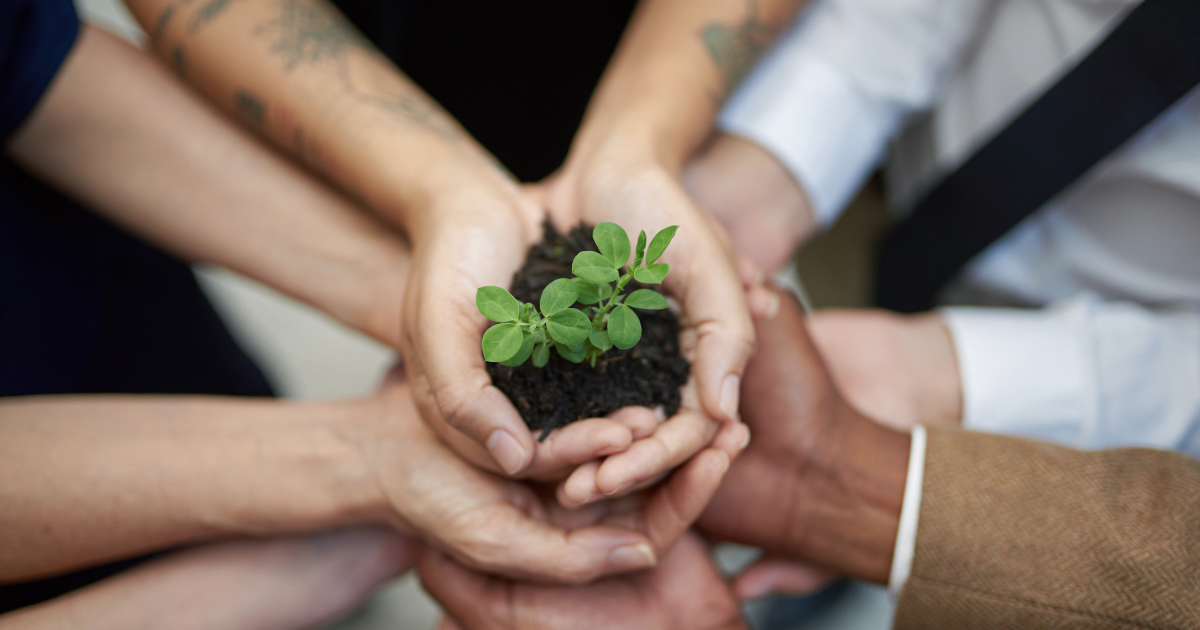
(648, 374)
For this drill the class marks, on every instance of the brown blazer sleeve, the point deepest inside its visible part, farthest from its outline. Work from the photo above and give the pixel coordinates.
(1020, 534)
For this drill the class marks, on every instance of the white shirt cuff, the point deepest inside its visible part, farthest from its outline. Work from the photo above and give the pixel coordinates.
(910, 511)
(808, 114)
(1024, 372)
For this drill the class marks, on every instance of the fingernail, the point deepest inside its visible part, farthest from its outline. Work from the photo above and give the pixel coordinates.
(590, 497)
(620, 488)
(729, 396)
(632, 557)
(506, 450)
(745, 438)
(724, 462)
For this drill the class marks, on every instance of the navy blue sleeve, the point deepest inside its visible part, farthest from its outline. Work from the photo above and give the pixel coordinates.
(35, 37)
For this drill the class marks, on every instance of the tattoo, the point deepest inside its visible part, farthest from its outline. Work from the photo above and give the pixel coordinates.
(418, 110)
(160, 25)
(307, 33)
(178, 61)
(250, 108)
(207, 13)
(735, 48)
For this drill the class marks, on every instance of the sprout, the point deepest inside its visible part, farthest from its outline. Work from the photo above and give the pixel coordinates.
(524, 331)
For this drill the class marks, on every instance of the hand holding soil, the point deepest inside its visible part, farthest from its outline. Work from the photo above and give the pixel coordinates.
(472, 237)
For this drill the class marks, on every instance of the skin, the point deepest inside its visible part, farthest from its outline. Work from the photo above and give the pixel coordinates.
(822, 484)
(153, 159)
(653, 108)
(295, 71)
(685, 592)
(112, 111)
(280, 584)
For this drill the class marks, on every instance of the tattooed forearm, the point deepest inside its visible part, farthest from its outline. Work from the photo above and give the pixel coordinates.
(160, 25)
(206, 14)
(735, 47)
(306, 33)
(249, 107)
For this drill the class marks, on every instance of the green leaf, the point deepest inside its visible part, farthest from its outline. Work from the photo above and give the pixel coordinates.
(497, 304)
(541, 354)
(527, 342)
(646, 298)
(639, 253)
(613, 243)
(557, 296)
(501, 342)
(588, 293)
(574, 354)
(606, 291)
(599, 338)
(624, 328)
(594, 268)
(653, 274)
(527, 312)
(569, 326)
(659, 243)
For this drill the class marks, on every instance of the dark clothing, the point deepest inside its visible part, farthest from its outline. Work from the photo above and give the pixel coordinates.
(85, 307)
(517, 75)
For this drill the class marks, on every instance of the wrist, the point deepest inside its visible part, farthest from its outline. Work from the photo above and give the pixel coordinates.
(853, 491)
(930, 346)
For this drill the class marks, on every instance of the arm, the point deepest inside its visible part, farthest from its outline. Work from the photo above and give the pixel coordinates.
(118, 132)
(299, 73)
(814, 119)
(280, 584)
(94, 478)
(653, 107)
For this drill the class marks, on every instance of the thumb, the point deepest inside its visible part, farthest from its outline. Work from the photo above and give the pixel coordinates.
(774, 575)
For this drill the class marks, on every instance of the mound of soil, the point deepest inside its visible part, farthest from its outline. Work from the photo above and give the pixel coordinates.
(648, 374)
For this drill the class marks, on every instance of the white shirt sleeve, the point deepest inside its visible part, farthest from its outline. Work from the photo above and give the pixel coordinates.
(910, 511)
(1082, 372)
(831, 94)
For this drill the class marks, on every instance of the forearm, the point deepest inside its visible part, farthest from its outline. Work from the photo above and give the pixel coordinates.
(678, 61)
(298, 72)
(118, 132)
(92, 478)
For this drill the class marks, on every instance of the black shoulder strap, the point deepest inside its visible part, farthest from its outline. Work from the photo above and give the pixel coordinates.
(1150, 61)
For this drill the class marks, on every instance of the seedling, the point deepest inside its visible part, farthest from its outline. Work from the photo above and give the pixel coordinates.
(524, 331)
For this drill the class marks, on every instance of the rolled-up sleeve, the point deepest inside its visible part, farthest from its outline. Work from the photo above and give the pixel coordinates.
(828, 98)
(1083, 373)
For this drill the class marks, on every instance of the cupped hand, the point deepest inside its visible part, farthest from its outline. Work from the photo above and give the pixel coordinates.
(821, 484)
(477, 234)
(684, 592)
(704, 281)
(506, 527)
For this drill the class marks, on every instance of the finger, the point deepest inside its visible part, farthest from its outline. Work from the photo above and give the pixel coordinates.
(716, 308)
(733, 438)
(577, 443)
(749, 272)
(464, 594)
(672, 443)
(641, 421)
(772, 575)
(762, 302)
(580, 487)
(671, 510)
(504, 541)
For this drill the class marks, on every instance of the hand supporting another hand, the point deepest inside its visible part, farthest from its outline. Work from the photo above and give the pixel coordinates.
(684, 592)
(505, 527)
(821, 483)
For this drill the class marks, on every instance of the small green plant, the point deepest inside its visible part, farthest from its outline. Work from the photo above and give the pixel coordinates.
(525, 331)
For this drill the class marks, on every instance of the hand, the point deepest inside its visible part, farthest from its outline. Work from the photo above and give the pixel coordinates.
(898, 369)
(704, 280)
(493, 524)
(754, 196)
(821, 483)
(477, 235)
(684, 592)
(283, 584)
